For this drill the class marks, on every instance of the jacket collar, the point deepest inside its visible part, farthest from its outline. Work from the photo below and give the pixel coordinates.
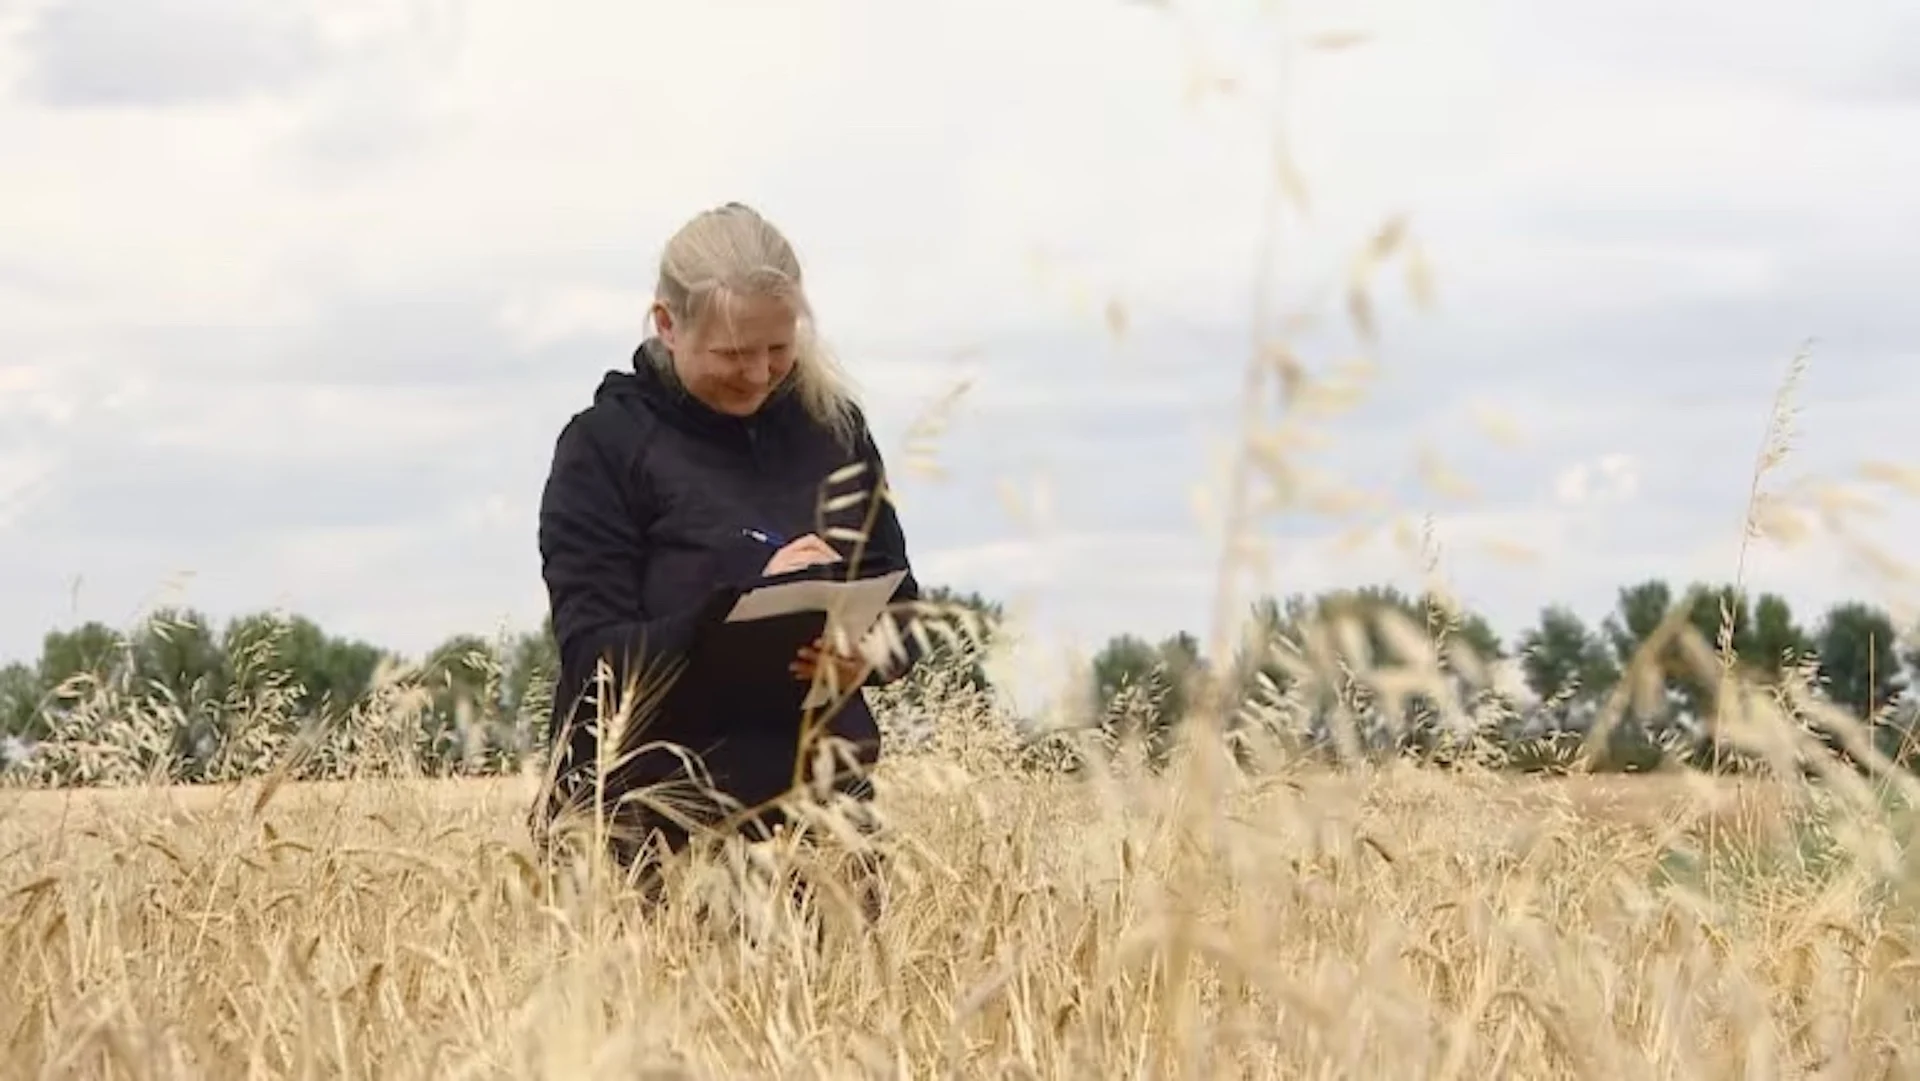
(662, 389)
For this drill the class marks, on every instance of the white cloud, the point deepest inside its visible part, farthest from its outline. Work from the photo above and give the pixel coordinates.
(24, 477)
(541, 317)
(342, 424)
(1613, 478)
(19, 379)
(413, 252)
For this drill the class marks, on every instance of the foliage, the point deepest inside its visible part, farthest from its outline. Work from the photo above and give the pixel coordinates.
(1365, 672)
(1562, 655)
(1858, 662)
(1143, 690)
(957, 632)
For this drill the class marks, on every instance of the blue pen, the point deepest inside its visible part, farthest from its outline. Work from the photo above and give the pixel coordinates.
(771, 540)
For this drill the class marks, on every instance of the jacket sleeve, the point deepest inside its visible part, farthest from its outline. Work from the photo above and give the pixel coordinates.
(592, 552)
(887, 544)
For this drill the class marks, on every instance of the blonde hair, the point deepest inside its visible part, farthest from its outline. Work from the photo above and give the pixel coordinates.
(733, 251)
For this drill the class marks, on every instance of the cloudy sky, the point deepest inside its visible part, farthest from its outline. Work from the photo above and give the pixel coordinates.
(294, 297)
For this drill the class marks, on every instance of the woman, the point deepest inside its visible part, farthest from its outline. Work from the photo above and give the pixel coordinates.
(673, 491)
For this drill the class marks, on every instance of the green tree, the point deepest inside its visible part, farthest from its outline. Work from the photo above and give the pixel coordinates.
(21, 691)
(462, 676)
(1710, 610)
(1340, 638)
(255, 649)
(180, 673)
(1638, 611)
(92, 649)
(1779, 643)
(1765, 639)
(1465, 647)
(335, 672)
(974, 622)
(1477, 634)
(1300, 617)
(955, 634)
(1562, 658)
(175, 654)
(1144, 690)
(331, 673)
(532, 665)
(1911, 655)
(1762, 635)
(1184, 667)
(1364, 608)
(1857, 660)
(285, 675)
(1677, 714)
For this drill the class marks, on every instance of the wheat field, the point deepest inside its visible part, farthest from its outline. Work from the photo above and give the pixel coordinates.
(1391, 922)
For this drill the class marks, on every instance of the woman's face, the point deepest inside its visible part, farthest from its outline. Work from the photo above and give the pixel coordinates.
(738, 354)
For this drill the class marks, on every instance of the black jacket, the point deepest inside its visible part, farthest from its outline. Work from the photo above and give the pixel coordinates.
(642, 534)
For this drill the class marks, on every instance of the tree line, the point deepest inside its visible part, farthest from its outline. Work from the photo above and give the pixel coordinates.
(184, 699)
(181, 699)
(1571, 676)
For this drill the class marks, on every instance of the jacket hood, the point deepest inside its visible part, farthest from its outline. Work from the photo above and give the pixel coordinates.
(646, 379)
(651, 381)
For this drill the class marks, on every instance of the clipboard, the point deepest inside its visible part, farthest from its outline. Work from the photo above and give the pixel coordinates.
(736, 670)
(828, 608)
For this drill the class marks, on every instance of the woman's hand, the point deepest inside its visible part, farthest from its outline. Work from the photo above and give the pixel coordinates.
(849, 671)
(808, 551)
